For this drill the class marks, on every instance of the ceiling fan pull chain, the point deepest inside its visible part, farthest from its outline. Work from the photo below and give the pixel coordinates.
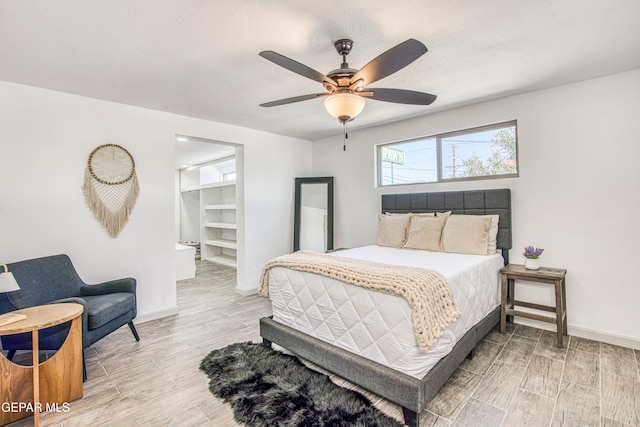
(346, 136)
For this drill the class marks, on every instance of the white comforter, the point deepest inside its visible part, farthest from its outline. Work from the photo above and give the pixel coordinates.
(378, 326)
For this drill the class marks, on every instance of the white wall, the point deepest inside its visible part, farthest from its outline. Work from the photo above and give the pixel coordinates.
(578, 194)
(45, 140)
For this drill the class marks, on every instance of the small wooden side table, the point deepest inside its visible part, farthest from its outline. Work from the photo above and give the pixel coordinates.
(552, 276)
(25, 390)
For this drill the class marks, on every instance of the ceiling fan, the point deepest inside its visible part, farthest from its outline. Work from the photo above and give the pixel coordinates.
(346, 88)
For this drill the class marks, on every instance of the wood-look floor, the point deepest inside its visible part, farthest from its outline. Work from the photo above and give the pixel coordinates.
(517, 379)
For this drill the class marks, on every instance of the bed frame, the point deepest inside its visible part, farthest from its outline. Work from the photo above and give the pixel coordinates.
(411, 393)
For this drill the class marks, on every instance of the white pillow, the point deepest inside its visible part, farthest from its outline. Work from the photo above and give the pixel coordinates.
(467, 234)
(493, 234)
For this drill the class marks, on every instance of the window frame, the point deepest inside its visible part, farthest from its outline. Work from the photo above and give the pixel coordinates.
(438, 138)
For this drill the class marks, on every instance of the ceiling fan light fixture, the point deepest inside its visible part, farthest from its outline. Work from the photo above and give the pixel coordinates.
(344, 106)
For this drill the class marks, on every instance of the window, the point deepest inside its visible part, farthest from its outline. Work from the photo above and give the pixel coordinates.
(218, 171)
(229, 176)
(484, 152)
(408, 162)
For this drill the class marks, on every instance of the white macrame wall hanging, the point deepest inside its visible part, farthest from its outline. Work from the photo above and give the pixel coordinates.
(111, 186)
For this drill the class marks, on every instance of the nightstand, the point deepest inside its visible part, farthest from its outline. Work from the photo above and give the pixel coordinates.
(551, 276)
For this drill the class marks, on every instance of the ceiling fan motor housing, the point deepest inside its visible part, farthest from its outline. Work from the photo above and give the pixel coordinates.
(342, 75)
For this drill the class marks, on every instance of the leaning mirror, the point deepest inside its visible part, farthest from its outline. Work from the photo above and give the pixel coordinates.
(313, 219)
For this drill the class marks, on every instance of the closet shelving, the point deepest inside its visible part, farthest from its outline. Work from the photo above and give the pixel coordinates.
(218, 225)
(219, 222)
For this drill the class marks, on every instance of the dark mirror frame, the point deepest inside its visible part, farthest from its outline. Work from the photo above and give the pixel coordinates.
(296, 221)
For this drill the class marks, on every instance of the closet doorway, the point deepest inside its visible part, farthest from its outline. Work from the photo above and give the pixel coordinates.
(209, 204)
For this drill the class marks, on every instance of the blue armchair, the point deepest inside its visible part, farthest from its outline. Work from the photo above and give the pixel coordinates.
(53, 279)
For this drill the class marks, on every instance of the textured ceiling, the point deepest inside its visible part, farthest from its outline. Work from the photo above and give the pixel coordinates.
(200, 58)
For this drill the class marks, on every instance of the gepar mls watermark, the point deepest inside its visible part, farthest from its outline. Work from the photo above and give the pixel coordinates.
(14, 407)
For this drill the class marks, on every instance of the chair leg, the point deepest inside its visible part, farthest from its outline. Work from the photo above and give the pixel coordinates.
(10, 354)
(133, 331)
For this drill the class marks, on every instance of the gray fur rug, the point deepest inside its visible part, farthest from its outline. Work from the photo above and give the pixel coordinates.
(269, 388)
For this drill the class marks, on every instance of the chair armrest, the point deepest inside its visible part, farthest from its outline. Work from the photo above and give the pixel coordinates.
(110, 287)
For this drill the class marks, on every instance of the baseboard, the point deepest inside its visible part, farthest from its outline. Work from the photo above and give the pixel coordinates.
(246, 292)
(147, 317)
(591, 334)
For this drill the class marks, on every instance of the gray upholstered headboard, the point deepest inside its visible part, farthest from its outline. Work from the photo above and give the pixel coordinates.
(475, 202)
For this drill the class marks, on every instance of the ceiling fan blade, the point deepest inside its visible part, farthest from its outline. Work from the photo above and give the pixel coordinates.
(390, 61)
(401, 96)
(294, 99)
(296, 67)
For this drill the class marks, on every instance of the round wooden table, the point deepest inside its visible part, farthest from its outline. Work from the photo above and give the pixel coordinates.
(49, 385)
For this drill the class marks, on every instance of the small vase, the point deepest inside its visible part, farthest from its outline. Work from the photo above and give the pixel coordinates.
(531, 264)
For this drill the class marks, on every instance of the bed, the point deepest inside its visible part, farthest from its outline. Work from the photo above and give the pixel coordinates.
(391, 368)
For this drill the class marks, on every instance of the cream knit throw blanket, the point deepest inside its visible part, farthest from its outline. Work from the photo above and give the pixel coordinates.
(427, 292)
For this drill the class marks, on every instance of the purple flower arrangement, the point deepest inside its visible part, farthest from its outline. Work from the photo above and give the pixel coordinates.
(532, 253)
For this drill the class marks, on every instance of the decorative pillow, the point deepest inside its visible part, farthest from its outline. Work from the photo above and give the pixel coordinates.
(493, 234)
(392, 230)
(425, 232)
(466, 234)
